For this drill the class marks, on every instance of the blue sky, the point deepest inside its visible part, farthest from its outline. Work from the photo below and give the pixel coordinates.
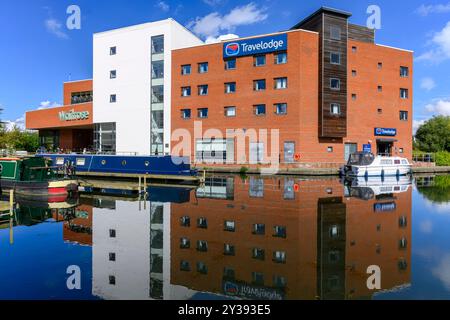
(39, 53)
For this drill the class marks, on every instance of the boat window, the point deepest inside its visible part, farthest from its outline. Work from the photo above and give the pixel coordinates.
(81, 162)
(404, 162)
(59, 161)
(397, 161)
(386, 162)
(362, 159)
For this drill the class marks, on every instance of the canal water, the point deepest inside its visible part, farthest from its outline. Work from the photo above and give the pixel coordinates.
(236, 238)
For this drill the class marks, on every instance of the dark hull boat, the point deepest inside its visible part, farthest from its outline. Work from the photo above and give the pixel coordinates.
(34, 178)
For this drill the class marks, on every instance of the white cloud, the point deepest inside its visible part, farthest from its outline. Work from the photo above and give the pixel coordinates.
(214, 23)
(55, 27)
(440, 43)
(427, 84)
(425, 10)
(439, 107)
(163, 6)
(11, 124)
(426, 226)
(223, 37)
(442, 271)
(213, 3)
(417, 124)
(47, 104)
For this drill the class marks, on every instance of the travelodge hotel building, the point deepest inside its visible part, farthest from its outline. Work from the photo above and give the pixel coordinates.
(324, 85)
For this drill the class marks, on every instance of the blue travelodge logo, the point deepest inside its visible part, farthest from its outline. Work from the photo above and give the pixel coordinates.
(232, 49)
(254, 46)
(385, 132)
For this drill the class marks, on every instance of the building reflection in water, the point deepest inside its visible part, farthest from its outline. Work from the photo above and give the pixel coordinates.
(265, 238)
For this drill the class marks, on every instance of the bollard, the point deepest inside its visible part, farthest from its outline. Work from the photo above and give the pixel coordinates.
(11, 203)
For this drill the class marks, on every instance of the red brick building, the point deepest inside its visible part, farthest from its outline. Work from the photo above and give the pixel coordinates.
(325, 85)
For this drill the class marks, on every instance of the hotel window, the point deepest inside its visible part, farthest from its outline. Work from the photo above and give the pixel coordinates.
(401, 151)
(186, 70)
(112, 233)
(257, 279)
(158, 69)
(354, 96)
(335, 109)
(158, 94)
(330, 149)
(404, 93)
(112, 51)
(380, 65)
(185, 221)
(186, 113)
(113, 74)
(228, 273)
(185, 266)
(256, 189)
(354, 49)
(279, 232)
(202, 113)
(281, 58)
(112, 280)
(404, 72)
(281, 83)
(203, 67)
(402, 222)
(335, 84)
(380, 111)
(404, 115)
(281, 108)
(112, 257)
(259, 85)
(354, 73)
(202, 223)
(202, 268)
(229, 226)
(259, 60)
(335, 58)
(259, 229)
(230, 87)
(230, 64)
(229, 250)
(402, 265)
(113, 98)
(230, 111)
(158, 44)
(335, 33)
(202, 246)
(279, 282)
(203, 90)
(334, 232)
(259, 109)
(403, 244)
(258, 254)
(380, 88)
(185, 243)
(185, 91)
(279, 257)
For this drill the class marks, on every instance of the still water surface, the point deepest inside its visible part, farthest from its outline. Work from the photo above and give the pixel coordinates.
(250, 238)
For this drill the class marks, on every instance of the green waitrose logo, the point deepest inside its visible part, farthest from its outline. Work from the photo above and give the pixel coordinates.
(73, 116)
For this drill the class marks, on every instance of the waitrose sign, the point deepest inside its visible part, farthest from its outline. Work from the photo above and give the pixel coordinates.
(73, 115)
(255, 46)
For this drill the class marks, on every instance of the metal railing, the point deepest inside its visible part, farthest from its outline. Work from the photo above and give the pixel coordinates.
(424, 157)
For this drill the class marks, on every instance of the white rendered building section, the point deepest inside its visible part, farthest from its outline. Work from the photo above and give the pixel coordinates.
(132, 86)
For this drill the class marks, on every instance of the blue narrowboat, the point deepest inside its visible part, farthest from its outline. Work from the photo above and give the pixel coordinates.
(167, 166)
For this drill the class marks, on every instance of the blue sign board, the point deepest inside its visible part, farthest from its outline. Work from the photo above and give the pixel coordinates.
(253, 46)
(367, 148)
(385, 132)
(384, 207)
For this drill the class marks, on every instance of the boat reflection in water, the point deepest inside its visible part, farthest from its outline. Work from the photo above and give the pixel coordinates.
(252, 238)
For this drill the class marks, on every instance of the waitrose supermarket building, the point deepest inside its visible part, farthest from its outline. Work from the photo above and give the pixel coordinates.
(310, 95)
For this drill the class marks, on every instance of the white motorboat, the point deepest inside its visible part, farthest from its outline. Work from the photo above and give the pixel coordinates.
(370, 188)
(364, 164)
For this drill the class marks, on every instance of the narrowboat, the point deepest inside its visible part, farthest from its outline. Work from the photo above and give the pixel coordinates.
(158, 167)
(35, 178)
(364, 164)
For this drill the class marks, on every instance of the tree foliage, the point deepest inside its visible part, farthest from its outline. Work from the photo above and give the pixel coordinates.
(434, 135)
(18, 140)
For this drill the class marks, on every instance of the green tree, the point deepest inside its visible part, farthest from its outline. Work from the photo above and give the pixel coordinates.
(17, 139)
(434, 135)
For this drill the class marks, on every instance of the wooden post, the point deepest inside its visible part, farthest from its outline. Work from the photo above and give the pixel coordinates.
(145, 184)
(140, 185)
(11, 203)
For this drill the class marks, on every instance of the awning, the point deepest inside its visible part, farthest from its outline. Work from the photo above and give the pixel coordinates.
(387, 140)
